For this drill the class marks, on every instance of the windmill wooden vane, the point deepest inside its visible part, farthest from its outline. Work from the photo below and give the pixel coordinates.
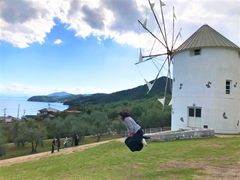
(166, 43)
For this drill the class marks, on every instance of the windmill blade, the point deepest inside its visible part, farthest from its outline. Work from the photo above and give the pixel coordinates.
(168, 74)
(163, 21)
(149, 85)
(173, 29)
(155, 65)
(158, 73)
(152, 46)
(178, 35)
(154, 14)
(145, 22)
(140, 56)
(152, 33)
(152, 5)
(170, 103)
(174, 15)
(162, 100)
(154, 55)
(162, 3)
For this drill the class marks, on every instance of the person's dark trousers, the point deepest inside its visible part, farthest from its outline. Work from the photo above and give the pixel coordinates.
(52, 149)
(134, 142)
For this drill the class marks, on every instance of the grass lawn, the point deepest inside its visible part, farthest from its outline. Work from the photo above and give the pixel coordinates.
(214, 158)
(13, 151)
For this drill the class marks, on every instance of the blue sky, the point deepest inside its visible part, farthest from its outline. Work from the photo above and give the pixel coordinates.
(76, 65)
(83, 47)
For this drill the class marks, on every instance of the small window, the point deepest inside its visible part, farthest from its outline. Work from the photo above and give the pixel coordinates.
(195, 112)
(191, 112)
(198, 112)
(197, 52)
(228, 86)
(205, 126)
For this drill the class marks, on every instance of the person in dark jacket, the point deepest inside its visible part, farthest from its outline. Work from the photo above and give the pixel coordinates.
(58, 143)
(53, 145)
(134, 140)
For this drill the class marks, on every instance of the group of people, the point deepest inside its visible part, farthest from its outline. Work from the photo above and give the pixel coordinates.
(135, 140)
(57, 142)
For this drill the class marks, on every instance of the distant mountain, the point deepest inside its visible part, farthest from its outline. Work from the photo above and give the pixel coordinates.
(60, 94)
(54, 97)
(129, 94)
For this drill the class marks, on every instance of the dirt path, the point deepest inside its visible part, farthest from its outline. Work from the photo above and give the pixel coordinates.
(33, 157)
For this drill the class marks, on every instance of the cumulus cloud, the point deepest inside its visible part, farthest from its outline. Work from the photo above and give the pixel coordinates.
(12, 12)
(27, 21)
(125, 12)
(58, 41)
(93, 17)
(24, 22)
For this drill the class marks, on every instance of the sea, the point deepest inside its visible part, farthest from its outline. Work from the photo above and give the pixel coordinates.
(19, 106)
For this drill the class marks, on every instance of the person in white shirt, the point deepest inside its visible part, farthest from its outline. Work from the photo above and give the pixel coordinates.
(65, 142)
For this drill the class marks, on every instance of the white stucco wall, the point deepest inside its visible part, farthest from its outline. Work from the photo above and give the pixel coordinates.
(215, 65)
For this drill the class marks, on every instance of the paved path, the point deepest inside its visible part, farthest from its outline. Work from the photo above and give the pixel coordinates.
(32, 157)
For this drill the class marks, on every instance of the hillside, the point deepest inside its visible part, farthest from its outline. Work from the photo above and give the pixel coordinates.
(54, 97)
(129, 94)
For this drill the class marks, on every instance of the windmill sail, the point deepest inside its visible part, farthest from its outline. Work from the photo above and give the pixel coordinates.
(162, 101)
(165, 43)
(170, 103)
(162, 3)
(149, 85)
(145, 22)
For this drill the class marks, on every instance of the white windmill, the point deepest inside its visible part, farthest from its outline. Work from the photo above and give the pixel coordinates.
(166, 42)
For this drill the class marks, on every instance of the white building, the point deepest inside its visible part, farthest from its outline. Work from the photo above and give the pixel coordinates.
(206, 83)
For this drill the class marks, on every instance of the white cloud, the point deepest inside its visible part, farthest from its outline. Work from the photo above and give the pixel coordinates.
(58, 41)
(27, 21)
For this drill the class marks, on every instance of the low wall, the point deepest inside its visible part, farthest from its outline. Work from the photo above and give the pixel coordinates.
(181, 134)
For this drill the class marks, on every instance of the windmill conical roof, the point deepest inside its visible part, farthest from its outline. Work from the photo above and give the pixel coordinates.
(206, 36)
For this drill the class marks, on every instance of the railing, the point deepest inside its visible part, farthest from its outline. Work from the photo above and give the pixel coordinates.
(154, 130)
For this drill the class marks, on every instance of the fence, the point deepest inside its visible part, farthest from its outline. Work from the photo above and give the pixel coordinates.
(153, 130)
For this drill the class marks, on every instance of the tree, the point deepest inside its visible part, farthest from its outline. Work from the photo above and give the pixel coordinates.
(118, 127)
(19, 134)
(2, 142)
(101, 123)
(36, 133)
(79, 125)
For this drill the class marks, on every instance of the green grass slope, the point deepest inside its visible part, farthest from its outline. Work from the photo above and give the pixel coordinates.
(185, 159)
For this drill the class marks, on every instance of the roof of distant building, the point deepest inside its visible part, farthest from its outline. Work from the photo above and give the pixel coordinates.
(48, 110)
(206, 36)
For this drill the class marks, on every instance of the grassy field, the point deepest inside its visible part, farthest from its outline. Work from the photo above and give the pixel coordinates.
(214, 158)
(13, 151)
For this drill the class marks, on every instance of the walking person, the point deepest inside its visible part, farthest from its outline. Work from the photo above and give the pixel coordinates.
(65, 142)
(58, 143)
(76, 139)
(53, 145)
(134, 140)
